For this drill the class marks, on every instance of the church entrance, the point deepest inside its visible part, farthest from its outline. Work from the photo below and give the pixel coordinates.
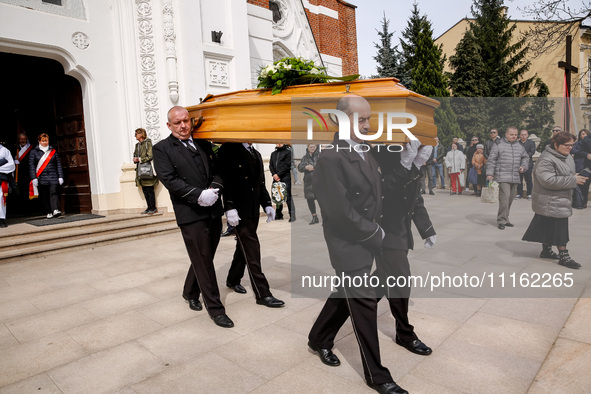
(37, 97)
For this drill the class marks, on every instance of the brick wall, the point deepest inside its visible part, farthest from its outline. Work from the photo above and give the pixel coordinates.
(260, 3)
(334, 37)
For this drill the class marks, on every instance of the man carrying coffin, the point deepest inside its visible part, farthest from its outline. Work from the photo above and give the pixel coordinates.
(348, 189)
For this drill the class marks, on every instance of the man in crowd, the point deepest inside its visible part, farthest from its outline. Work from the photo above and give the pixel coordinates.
(22, 177)
(455, 140)
(437, 166)
(348, 189)
(530, 149)
(494, 139)
(506, 161)
(244, 194)
(280, 168)
(186, 168)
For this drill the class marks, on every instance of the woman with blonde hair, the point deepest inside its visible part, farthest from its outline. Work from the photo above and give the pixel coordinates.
(143, 154)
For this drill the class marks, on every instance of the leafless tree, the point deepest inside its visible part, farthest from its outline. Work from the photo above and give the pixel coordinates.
(555, 19)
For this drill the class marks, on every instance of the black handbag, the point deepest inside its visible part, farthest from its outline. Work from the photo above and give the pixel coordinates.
(145, 171)
(578, 198)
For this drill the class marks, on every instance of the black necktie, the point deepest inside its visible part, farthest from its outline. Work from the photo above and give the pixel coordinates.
(252, 152)
(190, 147)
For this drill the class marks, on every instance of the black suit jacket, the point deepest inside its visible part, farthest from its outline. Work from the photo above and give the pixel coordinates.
(348, 190)
(185, 178)
(244, 180)
(402, 203)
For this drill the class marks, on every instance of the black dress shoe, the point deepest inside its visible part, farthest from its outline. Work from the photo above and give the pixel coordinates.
(501, 226)
(3, 223)
(270, 302)
(431, 192)
(388, 388)
(223, 321)
(326, 356)
(237, 288)
(314, 219)
(194, 304)
(509, 224)
(278, 217)
(416, 347)
(292, 219)
(228, 232)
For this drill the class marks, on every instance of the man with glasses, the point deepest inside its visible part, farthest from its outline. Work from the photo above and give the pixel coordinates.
(494, 139)
(555, 130)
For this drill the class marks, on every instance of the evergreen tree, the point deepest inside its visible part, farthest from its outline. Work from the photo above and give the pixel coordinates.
(539, 114)
(467, 80)
(410, 42)
(388, 58)
(427, 75)
(504, 63)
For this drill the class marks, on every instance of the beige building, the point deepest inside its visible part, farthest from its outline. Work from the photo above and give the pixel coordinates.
(546, 67)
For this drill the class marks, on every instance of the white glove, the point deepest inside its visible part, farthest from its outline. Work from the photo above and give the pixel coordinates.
(430, 242)
(16, 161)
(423, 155)
(383, 233)
(409, 153)
(61, 181)
(270, 213)
(35, 182)
(208, 197)
(232, 217)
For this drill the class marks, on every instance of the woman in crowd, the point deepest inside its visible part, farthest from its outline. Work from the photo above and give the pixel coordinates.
(45, 170)
(455, 162)
(143, 154)
(306, 166)
(469, 154)
(554, 181)
(579, 153)
(478, 162)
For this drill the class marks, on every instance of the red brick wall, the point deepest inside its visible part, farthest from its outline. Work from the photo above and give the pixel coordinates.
(334, 37)
(260, 3)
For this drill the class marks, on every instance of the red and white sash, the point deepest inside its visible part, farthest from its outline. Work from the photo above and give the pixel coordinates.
(22, 152)
(43, 162)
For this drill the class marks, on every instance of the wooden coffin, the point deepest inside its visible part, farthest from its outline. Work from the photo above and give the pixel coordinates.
(259, 117)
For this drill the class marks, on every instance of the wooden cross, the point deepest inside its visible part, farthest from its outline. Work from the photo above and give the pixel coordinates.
(568, 69)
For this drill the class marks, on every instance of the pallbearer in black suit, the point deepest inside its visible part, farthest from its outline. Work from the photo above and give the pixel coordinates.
(186, 168)
(402, 204)
(244, 193)
(348, 189)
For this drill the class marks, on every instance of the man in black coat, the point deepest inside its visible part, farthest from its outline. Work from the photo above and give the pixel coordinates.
(244, 194)
(280, 168)
(186, 168)
(402, 204)
(348, 189)
(530, 149)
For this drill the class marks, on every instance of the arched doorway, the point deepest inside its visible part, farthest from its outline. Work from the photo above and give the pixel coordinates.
(37, 97)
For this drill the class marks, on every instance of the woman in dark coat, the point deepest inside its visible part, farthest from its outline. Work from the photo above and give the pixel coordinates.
(306, 166)
(143, 154)
(45, 170)
(554, 181)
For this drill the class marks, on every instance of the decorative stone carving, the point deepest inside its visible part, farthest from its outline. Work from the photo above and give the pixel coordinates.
(80, 40)
(148, 68)
(217, 71)
(169, 42)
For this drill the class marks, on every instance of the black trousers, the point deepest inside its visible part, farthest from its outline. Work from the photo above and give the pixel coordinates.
(49, 197)
(150, 196)
(201, 240)
(248, 255)
(311, 205)
(394, 263)
(360, 304)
